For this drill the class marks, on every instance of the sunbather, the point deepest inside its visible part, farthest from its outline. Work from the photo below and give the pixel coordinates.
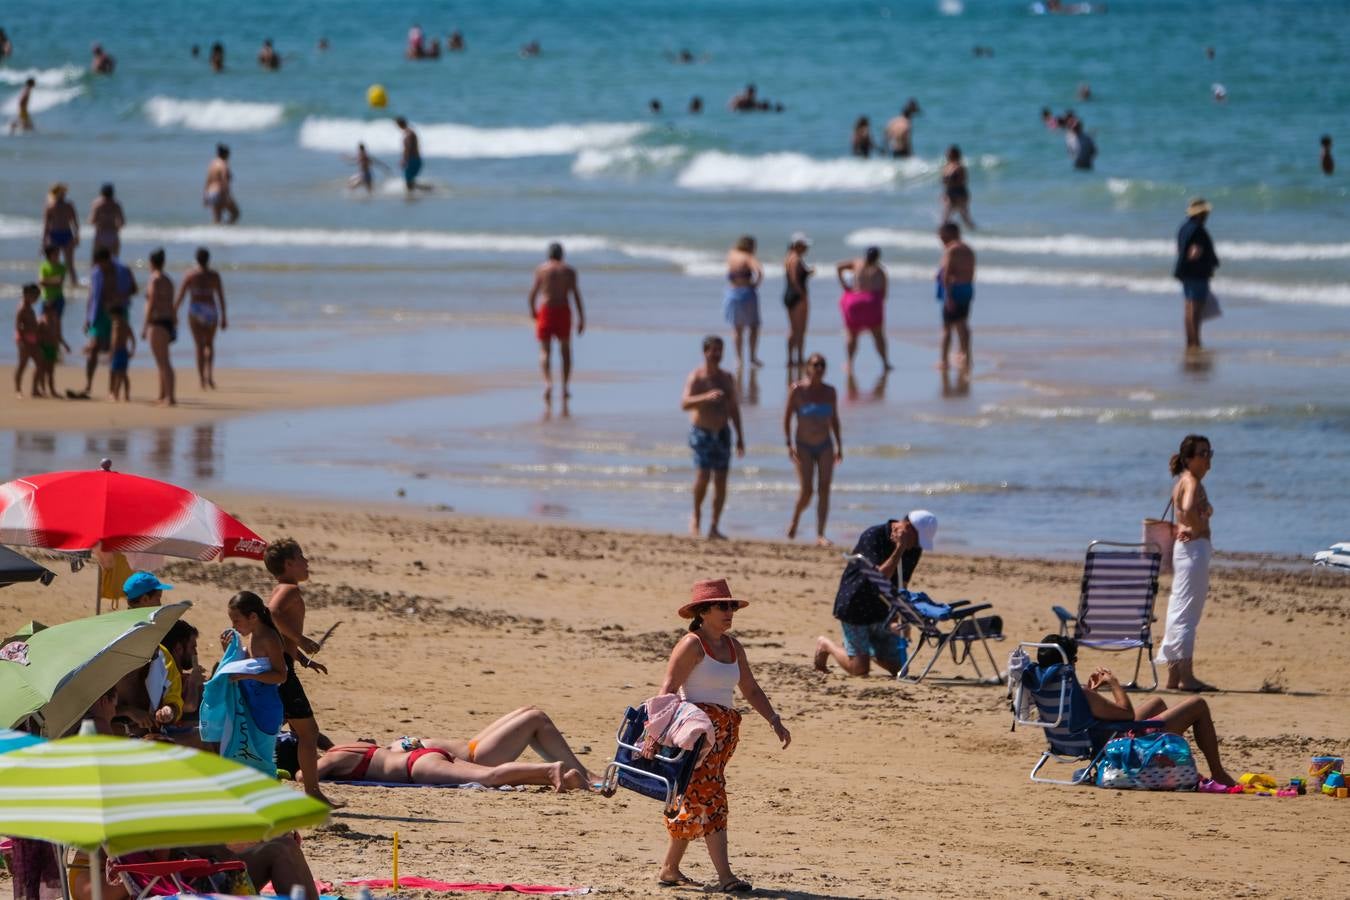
(1192, 713)
(488, 758)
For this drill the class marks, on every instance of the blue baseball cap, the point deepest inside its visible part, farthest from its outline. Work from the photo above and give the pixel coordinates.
(142, 583)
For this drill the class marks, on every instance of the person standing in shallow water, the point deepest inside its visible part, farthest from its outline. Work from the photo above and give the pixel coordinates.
(160, 328)
(813, 453)
(956, 188)
(206, 311)
(1190, 562)
(796, 297)
(740, 303)
(1195, 265)
(710, 399)
(705, 668)
(557, 282)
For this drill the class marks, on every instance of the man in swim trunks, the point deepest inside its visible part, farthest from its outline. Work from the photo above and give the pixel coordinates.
(894, 548)
(411, 160)
(710, 399)
(955, 291)
(557, 281)
(899, 131)
(105, 214)
(22, 121)
(111, 287)
(219, 191)
(61, 227)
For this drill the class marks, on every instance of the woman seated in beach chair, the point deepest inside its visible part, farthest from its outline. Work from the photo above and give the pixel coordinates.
(488, 758)
(1192, 713)
(278, 861)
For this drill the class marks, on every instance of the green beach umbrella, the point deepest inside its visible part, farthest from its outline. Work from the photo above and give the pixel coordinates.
(125, 795)
(73, 664)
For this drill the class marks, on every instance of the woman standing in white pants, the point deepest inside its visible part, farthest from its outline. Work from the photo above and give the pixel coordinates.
(1190, 563)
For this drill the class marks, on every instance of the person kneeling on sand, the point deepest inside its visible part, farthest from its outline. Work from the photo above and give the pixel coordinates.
(1192, 713)
(488, 758)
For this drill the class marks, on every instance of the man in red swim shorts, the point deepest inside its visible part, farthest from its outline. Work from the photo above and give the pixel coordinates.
(557, 281)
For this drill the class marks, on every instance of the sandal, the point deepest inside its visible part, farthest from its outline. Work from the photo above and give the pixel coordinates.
(681, 881)
(735, 886)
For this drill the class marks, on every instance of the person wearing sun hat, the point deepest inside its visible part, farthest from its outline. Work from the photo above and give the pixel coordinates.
(151, 696)
(704, 669)
(1196, 262)
(894, 547)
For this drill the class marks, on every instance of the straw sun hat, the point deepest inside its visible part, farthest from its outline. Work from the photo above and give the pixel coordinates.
(1197, 206)
(711, 590)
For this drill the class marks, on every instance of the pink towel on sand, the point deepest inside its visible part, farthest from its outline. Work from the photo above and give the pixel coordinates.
(412, 882)
(674, 722)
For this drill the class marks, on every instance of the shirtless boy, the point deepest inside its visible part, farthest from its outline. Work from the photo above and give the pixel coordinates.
(218, 193)
(900, 131)
(123, 344)
(26, 338)
(956, 290)
(557, 281)
(710, 399)
(105, 214)
(22, 121)
(50, 344)
(287, 563)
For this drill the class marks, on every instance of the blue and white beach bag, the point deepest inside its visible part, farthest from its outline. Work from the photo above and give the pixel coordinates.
(1152, 762)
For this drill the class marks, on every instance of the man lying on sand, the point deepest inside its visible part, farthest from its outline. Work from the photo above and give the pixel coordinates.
(488, 758)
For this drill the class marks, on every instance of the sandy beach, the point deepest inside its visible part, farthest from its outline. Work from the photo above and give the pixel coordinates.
(887, 789)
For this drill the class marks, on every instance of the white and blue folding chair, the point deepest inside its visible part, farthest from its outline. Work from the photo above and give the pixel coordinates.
(956, 626)
(1115, 603)
(1050, 698)
(665, 776)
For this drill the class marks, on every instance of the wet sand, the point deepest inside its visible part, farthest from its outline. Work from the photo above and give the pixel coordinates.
(887, 789)
(239, 392)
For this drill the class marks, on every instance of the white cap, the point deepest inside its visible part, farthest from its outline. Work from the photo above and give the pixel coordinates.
(799, 237)
(925, 523)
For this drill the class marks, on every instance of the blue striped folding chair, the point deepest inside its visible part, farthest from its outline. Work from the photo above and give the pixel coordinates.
(1115, 604)
(955, 626)
(1050, 698)
(664, 777)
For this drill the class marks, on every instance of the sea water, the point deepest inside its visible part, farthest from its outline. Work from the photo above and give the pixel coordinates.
(1080, 390)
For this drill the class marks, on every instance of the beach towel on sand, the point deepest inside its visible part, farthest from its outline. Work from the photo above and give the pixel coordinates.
(242, 716)
(427, 884)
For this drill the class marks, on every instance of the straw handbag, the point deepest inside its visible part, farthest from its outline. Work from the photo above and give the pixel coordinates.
(1162, 532)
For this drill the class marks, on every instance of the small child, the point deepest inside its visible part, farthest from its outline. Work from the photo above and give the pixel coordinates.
(50, 344)
(123, 348)
(26, 341)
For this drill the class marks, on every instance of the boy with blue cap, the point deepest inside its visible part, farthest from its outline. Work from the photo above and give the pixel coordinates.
(151, 696)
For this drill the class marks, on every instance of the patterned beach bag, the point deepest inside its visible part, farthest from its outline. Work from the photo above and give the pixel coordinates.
(1152, 762)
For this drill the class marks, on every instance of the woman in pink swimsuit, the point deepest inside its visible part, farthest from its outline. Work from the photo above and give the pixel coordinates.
(863, 302)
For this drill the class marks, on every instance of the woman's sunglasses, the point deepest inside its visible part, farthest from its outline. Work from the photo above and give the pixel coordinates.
(724, 605)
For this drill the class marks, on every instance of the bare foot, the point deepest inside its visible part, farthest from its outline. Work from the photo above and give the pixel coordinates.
(792, 531)
(576, 780)
(823, 541)
(889, 367)
(758, 364)
(715, 535)
(695, 529)
(822, 658)
(1222, 777)
(555, 778)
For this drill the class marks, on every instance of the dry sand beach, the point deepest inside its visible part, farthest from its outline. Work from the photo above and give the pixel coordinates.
(887, 789)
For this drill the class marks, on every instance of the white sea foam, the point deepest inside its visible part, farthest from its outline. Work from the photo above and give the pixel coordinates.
(213, 115)
(1101, 247)
(1104, 415)
(64, 75)
(626, 159)
(455, 141)
(43, 98)
(796, 173)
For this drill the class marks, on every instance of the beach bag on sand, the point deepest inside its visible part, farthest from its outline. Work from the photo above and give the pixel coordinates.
(1151, 762)
(1162, 532)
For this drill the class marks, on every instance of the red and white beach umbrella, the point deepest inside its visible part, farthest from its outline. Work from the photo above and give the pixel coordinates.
(111, 512)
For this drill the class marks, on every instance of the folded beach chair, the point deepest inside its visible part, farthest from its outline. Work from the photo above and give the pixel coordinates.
(1050, 697)
(664, 777)
(956, 626)
(1115, 604)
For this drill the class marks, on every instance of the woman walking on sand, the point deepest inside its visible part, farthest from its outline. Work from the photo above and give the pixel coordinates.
(1190, 563)
(204, 287)
(816, 406)
(161, 325)
(740, 303)
(796, 296)
(705, 667)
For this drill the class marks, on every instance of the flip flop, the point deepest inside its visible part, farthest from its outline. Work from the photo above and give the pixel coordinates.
(682, 881)
(736, 886)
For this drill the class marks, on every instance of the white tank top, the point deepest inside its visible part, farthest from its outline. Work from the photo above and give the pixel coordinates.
(712, 681)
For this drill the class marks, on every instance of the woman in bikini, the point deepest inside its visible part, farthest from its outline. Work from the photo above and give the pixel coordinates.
(816, 406)
(161, 325)
(796, 297)
(740, 303)
(204, 287)
(955, 188)
(61, 227)
(705, 667)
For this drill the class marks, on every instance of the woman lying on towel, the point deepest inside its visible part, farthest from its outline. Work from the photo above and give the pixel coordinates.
(488, 758)
(1191, 713)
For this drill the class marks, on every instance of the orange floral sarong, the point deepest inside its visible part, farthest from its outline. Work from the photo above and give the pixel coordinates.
(704, 808)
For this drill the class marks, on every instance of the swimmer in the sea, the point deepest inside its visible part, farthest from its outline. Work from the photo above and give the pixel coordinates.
(364, 176)
(219, 191)
(268, 57)
(217, 57)
(102, 63)
(1328, 161)
(22, 121)
(411, 160)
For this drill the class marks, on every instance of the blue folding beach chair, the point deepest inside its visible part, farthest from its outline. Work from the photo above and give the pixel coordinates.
(956, 626)
(1115, 604)
(664, 777)
(1050, 698)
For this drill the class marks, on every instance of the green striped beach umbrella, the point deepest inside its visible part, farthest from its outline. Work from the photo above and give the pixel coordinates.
(127, 795)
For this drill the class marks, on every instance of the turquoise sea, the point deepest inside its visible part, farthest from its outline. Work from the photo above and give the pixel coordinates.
(1080, 390)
